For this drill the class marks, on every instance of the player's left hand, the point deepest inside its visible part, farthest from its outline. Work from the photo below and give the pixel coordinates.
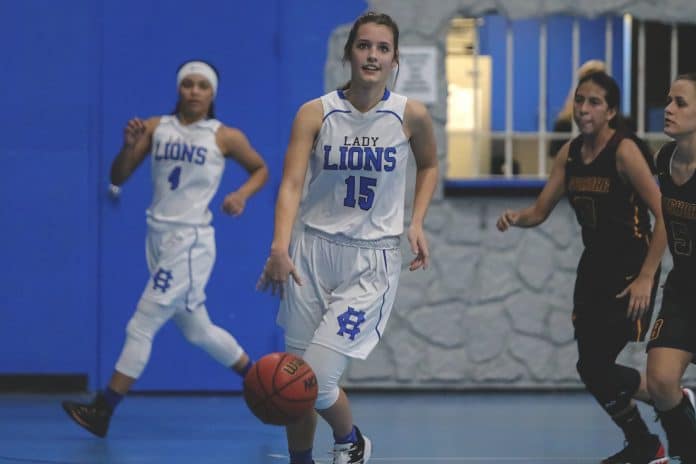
(419, 247)
(234, 204)
(639, 292)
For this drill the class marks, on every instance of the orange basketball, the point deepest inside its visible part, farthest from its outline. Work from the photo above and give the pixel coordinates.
(280, 388)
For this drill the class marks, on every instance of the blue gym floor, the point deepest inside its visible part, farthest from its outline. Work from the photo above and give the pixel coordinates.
(410, 428)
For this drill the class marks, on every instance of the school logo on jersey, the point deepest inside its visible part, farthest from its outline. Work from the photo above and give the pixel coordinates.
(179, 151)
(349, 322)
(359, 154)
(162, 280)
(589, 184)
(679, 208)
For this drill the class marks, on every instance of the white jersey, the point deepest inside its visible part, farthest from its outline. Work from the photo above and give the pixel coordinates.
(187, 166)
(357, 171)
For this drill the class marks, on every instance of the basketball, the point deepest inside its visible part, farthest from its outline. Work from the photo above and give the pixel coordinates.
(280, 388)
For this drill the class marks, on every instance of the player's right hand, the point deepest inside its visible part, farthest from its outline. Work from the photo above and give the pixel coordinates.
(114, 192)
(507, 219)
(133, 132)
(639, 294)
(275, 274)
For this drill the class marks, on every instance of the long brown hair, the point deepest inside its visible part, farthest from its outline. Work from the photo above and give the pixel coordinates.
(381, 19)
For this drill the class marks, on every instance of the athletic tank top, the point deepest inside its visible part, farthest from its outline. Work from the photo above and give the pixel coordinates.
(679, 213)
(609, 210)
(187, 166)
(357, 171)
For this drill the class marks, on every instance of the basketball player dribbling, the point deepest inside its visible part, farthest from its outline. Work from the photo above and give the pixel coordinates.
(189, 149)
(346, 259)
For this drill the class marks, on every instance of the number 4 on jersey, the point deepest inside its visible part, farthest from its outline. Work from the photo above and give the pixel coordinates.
(366, 193)
(174, 177)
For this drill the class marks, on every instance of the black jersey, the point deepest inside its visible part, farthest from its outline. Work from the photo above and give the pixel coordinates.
(610, 212)
(679, 213)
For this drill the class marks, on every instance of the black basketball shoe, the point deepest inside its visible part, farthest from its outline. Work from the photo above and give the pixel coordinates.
(93, 417)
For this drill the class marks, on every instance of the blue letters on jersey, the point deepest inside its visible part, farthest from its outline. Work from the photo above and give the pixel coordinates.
(179, 151)
(360, 153)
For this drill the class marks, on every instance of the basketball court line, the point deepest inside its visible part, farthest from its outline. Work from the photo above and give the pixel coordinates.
(459, 459)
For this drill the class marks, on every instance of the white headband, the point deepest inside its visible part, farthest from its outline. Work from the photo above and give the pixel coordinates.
(198, 67)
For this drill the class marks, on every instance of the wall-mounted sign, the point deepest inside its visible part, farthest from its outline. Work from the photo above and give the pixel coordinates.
(417, 77)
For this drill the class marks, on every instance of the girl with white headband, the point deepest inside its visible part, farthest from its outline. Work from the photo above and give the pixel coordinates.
(188, 153)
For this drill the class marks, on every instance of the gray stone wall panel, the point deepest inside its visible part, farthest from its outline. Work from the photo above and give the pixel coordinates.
(493, 311)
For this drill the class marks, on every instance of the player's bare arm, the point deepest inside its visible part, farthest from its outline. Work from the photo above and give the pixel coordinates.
(545, 202)
(304, 130)
(137, 141)
(418, 126)
(235, 145)
(632, 166)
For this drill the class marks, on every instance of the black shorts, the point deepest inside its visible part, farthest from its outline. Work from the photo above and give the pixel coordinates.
(596, 310)
(614, 327)
(675, 326)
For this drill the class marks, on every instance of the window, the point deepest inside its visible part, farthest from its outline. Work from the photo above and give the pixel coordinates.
(508, 82)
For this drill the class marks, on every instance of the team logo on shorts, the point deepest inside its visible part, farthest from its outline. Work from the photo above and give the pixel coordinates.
(350, 321)
(161, 280)
(656, 329)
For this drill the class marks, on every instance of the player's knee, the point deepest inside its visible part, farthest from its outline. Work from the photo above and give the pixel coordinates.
(596, 379)
(147, 320)
(628, 379)
(326, 396)
(593, 371)
(328, 389)
(660, 385)
(613, 386)
(196, 327)
(194, 334)
(214, 340)
(200, 334)
(328, 366)
(137, 330)
(140, 331)
(588, 372)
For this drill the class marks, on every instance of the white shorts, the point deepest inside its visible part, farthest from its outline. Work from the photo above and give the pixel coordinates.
(180, 259)
(348, 291)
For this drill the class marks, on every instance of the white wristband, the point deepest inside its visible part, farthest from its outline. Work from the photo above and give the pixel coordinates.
(114, 191)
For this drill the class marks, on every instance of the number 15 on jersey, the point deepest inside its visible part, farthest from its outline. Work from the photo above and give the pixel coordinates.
(366, 193)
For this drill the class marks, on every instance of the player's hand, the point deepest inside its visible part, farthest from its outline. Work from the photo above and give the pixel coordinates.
(234, 204)
(133, 132)
(419, 247)
(508, 219)
(275, 274)
(114, 193)
(639, 292)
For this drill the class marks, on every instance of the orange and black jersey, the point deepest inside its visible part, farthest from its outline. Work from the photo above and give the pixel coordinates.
(610, 212)
(679, 213)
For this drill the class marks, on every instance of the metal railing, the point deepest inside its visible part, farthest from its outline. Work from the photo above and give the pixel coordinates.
(543, 135)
